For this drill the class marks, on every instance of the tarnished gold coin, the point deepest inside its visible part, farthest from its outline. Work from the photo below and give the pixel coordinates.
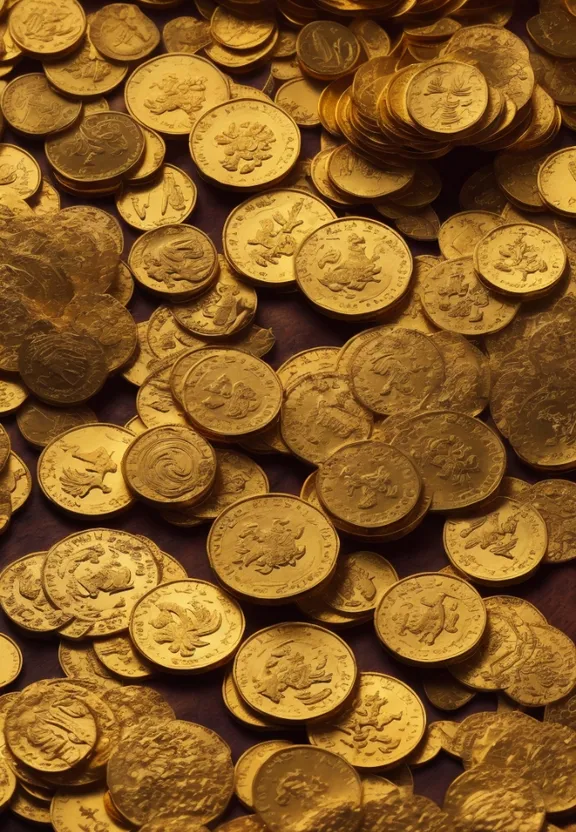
(272, 548)
(327, 49)
(232, 393)
(273, 224)
(118, 654)
(10, 660)
(40, 423)
(70, 808)
(503, 544)
(172, 109)
(237, 477)
(23, 599)
(122, 32)
(359, 581)
(175, 261)
(360, 179)
(447, 98)
(398, 729)
(353, 267)
(460, 233)
(325, 677)
(214, 630)
(307, 788)
(171, 788)
(245, 144)
(99, 575)
(48, 30)
(186, 34)
(50, 728)
(31, 107)
(431, 619)
(520, 260)
(19, 171)
(170, 199)
(81, 470)
(169, 465)
(247, 767)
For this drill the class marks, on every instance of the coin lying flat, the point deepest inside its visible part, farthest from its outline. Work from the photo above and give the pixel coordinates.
(64, 22)
(40, 423)
(359, 581)
(22, 595)
(69, 808)
(122, 32)
(247, 767)
(32, 107)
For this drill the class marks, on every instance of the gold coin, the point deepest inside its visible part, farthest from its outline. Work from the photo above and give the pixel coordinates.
(46, 200)
(48, 30)
(555, 500)
(549, 674)
(353, 267)
(136, 706)
(537, 435)
(153, 100)
(22, 595)
(359, 581)
(104, 227)
(79, 661)
(16, 481)
(98, 105)
(501, 545)
(445, 692)
(170, 199)
(327, 49)
(122, 289)
(30, 106)
(186, 34)
(430, 619)
(81, 470)
(217, 626)
(221, 137)
(122, 32)
(155, 404)
(237, 477)
(225, 309)
(320, 415)
(561, 712)
(27, 807)
(175, 261)
(274, 225)
(118, 655)
(166, 338)
(472, 310)
(169, 465)
(554, 181)
(517, 175)
(317, 359)
(40, 423)
(70, 154)
(362, 180)
(70, 809)
(460, 234)
(240, 710)
(5, 448)
(241, 60)
(239, 33)
(302, 557)
(328, 789)
(20, 171)
(400, 725)
(466, 386)
(87, 573)
(97, 316)
(86, 72)
(8, 784)
(152, 159)
(481, 192)
(54, 709)
(299, 98)
(232, 393)
(326, 672)
(247, 767)
(10, 660)
(172, 787)
(184, 362)
(447, 98)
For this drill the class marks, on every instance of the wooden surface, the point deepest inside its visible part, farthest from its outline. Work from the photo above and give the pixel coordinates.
(296, 326)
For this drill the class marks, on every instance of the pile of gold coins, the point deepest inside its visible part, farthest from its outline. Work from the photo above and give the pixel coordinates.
(458, 356)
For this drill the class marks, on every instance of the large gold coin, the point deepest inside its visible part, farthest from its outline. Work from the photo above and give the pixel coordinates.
(23, 599)
(394, 734)
(40, 423)
(99, 575)
(154, 99)
(353, 267)
(172, 753)
(49, 29)
(81, 470)
(307, 788)
(447, 98)
(170, 465)
(32, 107)
(327, 49)
(272, 548)
(122, 32)
(324, 667)
(247, 767)
(431, 619)
(245, 144)
(85, 73)
(262, 235)
(187, 626)
(368, 484)
(69, 810)
(170, 199)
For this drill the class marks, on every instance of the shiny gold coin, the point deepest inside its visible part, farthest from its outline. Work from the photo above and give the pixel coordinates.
(186, 34)
(40, 423)
(16, 481)
(555, 181)
(247, 767)
(237, 477)
(119, 655)
(155, 403)
(430, 619)
(240, 710)
(32, 107)
(400, 727)
(330, 787)
(221, 137)
(317, 359)
(359, 179)
(239, 33)
(10, 660)
(170, 199)
(299, 98)
(445, 692)
(353, 267)
(86, 72)
(172, 788)
(87, 573)
(19, 170)
(327, 49)
(152, 99)
(152, 159)
(122, 32)
(303, 557)
(436, 102)
(241, 60)
(50, 32)
(70, 808)
(275, 652)
(79, 661)
(359, 581)
(81, 470)
(23, 599)
(169, 465)
(460, 234)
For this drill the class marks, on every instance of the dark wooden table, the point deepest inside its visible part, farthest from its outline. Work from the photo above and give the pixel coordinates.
(296, 326)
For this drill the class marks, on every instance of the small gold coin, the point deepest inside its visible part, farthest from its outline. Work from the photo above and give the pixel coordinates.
(245, 144)
(16, 481)
(302, 557)
(328, 789)
(327, 49)
(23, 599)
(237, 477)
(32, 107)
(169, 465)
(276, 652)
(49, 30)
(81, 470)
(501, 545)
(460, 234)
(240, 710)
(69, 809)
(247, 767)
(431, 619)
(217, 626)
(171, 787)
(170, 199)
(79, 661)
(359, 581)
(40, 423)
(10, 660)
(122, 32)
(397, 732)
(119, 655)
(20, 171)
(86, 575)
(447, 98)
(445, 692)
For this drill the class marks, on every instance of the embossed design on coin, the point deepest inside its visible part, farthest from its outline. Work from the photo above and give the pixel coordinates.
(447, 97)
